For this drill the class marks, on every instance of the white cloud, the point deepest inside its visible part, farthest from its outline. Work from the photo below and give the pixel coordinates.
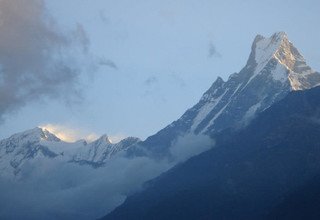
(190, 145)
(55, 189)
(52, 189)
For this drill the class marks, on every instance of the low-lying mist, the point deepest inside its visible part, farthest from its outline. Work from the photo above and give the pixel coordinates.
(55, 189)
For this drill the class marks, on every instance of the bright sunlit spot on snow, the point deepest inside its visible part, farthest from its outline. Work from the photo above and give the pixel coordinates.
(68, 134)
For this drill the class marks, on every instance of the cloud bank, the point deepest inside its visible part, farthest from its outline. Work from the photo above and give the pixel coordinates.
(55, 189)
(37, 58)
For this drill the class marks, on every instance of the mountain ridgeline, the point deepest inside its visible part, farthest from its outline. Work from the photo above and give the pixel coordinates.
(39, 143)
(268, 170)
(265, 163)
(274, 68)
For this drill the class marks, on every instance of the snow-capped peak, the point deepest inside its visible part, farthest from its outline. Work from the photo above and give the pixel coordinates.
(38, 143)
(104, 139)
(274, 68)
(34, 135)
(279, 53)
(277, 46)
(266, 48)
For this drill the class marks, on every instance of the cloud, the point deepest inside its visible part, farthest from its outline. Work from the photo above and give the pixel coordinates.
(56, 189)
(69, 134)
(153, 89)
(190, 145)
(103, 17)
(178, 79)
(212, 51)
(151, 80)
(37, 58)
(53, 189)
(108, 63)
(81, 36)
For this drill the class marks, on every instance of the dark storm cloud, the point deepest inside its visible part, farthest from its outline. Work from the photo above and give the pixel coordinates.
(212, 51)
(35, 55)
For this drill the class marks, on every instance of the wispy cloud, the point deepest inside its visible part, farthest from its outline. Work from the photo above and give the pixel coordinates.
(178, 79)
(151, 80)
(212, 51)
(108, 63)
(103, 17)
(190, 145)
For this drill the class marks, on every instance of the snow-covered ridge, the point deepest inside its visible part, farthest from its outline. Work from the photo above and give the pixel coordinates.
(290, 64)
(99, 151)
(265, 48)
(32, 135)
(39, 143)
(274, 68)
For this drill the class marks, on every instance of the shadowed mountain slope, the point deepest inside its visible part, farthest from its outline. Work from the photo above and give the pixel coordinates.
(246, 175)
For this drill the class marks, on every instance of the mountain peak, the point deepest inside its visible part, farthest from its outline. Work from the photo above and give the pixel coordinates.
(35, 135)
(263, 49)
(104, 139)
(276, 38)
(279, 54)
(279, 35)
(274, 69)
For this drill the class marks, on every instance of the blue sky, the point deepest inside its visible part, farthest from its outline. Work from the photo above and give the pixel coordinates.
(159, 57)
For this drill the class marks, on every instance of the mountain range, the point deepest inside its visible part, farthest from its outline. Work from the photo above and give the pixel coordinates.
(268, 170)
(39, 143)
(265, 163)
(263, 126)
(265, 122)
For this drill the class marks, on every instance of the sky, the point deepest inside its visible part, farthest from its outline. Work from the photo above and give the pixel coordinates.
(129, 68)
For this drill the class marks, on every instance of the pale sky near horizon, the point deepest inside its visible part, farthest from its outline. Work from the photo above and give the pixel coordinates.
(159, 58)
